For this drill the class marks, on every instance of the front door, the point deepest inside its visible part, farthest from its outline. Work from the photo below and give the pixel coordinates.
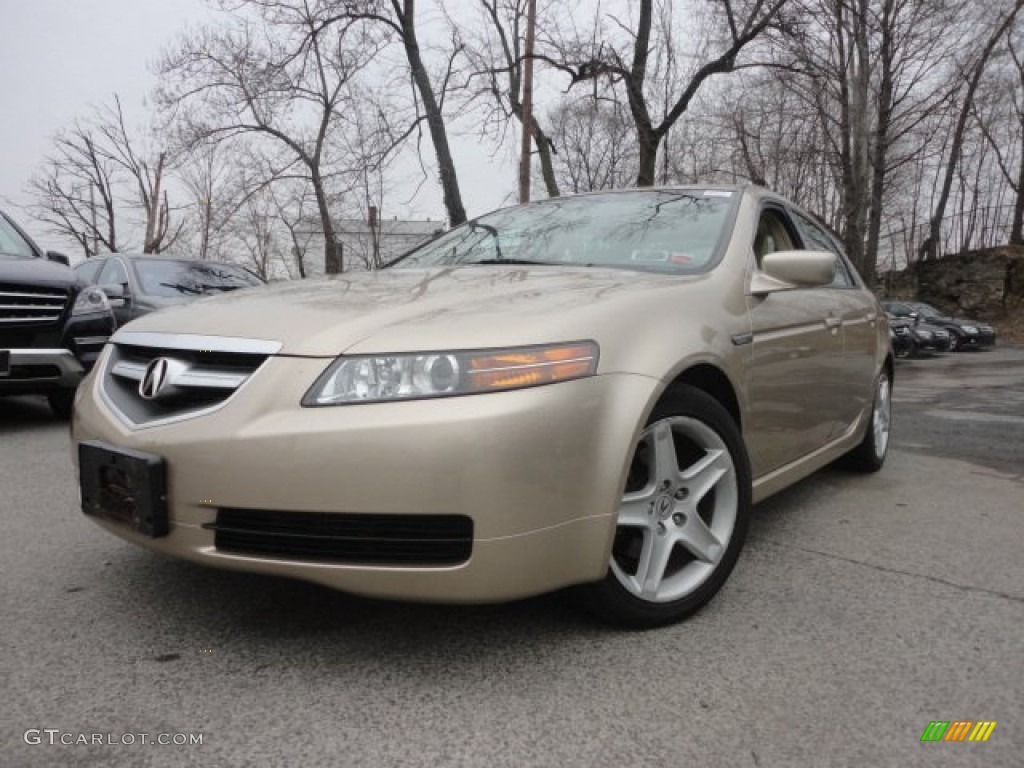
(795, 374)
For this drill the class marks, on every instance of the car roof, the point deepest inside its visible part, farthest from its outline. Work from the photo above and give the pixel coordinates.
(163, 257)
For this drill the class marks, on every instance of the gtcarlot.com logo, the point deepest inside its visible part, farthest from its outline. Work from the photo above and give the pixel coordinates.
(55, 736)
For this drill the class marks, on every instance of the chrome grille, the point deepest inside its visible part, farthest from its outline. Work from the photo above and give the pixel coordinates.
(197, 374)
(31, 305)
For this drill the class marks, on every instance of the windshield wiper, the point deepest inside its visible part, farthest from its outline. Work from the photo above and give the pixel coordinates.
(182, 288)
(199, 288)
(523, 262)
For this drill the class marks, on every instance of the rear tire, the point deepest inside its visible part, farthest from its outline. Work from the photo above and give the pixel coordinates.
(61, 402)
(683, 519)
(870, 455)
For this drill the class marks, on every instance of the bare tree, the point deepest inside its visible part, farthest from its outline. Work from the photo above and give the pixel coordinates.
(205, 174)
(398, 19)
(74, 192)
(285, 80)
(598, 151)
(146, 175)
(627, 64)
(1002, 126)
(253, 230)
(496, 61)
(971, 75)
(97, 172)
(293, 205)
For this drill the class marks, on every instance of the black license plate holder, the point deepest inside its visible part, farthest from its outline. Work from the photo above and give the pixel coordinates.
(5, 362)
(125, 486)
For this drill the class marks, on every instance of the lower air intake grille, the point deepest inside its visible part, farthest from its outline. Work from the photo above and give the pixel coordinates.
(410, 540)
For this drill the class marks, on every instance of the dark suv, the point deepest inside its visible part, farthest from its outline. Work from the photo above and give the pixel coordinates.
(52, 327)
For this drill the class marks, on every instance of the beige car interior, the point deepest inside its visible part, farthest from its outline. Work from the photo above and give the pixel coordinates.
(771, 236)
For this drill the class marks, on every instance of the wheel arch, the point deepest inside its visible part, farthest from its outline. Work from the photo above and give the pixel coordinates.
(714, 382)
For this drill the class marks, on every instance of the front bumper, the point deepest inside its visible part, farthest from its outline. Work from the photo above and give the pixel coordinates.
(85, 336)
(41, 370)
(540, 472)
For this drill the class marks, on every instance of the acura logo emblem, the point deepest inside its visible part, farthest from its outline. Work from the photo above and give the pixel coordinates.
(159, 377)
(664, 507)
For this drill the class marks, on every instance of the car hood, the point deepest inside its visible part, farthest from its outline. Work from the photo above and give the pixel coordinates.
(36, 272)
(422, 309)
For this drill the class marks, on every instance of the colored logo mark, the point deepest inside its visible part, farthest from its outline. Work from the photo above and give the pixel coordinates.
(958, 730)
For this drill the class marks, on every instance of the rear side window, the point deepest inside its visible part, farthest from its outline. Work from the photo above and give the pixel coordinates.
(113, 273)
(815, 238)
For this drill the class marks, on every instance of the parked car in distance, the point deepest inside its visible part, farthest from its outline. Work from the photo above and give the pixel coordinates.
(51, 327)
(964, 333)
(924, 336)
(901, 337)
(587, 390)
(137, 284)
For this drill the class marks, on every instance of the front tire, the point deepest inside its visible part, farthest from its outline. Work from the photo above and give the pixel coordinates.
(683, 518)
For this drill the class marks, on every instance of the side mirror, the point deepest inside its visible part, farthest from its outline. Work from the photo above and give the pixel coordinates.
(60, 258)
(116, 294)
(783, 270)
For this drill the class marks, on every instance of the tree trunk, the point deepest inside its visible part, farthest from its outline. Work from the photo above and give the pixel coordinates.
(333, 261)
(1017, 230)
(435, 120)
(150, 244)
(880, 151)
(648, 160)
(547, 167)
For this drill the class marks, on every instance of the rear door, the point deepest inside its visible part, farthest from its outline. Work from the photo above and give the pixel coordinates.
(796, 372)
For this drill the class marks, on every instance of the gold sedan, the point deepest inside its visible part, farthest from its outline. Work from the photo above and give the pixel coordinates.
(585, 391)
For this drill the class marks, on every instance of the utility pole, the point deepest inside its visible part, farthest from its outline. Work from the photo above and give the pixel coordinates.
(527, 144)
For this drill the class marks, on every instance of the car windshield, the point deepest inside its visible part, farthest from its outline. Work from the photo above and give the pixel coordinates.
(171, 278)
(675, 231)
(12, 244)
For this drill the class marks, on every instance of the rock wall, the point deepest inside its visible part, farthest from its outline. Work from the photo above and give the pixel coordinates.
(987, 285)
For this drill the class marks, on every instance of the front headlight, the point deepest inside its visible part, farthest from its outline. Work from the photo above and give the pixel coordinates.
(923, 333)
(90, 300)
(380, 378)
(969, 329)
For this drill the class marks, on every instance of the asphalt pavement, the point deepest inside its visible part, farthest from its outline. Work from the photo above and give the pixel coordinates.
(863, 608)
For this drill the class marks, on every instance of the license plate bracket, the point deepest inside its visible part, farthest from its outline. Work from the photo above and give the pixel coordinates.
(125, 486)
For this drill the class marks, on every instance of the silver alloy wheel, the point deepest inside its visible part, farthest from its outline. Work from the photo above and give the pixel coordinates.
(674, 530)
(882, 416)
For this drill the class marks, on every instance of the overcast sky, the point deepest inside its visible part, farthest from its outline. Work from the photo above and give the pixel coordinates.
(58, 57)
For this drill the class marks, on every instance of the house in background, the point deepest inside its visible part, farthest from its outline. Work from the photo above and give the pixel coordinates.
(372, 242)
